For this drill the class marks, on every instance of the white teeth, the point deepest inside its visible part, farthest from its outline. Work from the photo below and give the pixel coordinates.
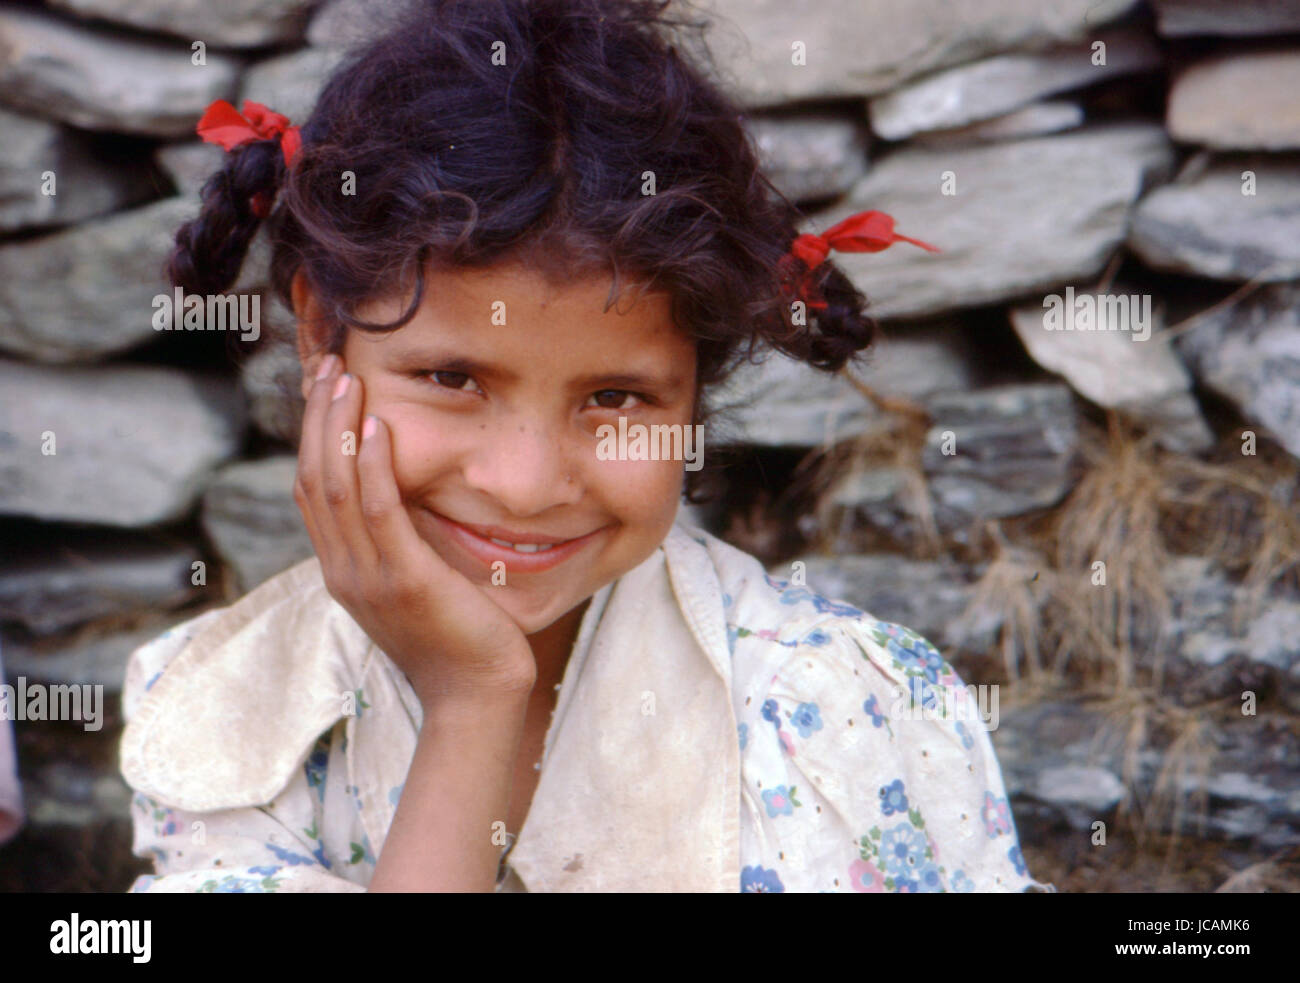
(523, 547)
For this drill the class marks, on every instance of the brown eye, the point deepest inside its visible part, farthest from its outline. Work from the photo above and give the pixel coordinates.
(456, 381)
(618, 397)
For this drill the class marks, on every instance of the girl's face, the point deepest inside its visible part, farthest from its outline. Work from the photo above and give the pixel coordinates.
(493, 394)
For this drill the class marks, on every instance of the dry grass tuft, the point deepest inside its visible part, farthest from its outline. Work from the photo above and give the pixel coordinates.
(897, 445)
(1058, 628)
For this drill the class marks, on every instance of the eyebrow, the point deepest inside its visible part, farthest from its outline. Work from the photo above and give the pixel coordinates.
(408, 360)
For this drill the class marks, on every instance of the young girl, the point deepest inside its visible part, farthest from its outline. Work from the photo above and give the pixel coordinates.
(508, 666)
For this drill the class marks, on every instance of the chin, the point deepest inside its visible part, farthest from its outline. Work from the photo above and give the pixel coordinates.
(530, 613)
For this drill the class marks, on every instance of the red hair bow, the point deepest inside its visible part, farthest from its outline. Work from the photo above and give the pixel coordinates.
(865, 232)
(222, 123)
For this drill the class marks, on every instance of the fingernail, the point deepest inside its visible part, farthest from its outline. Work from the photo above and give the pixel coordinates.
(326, 367)
(369, 427)
(341, 386)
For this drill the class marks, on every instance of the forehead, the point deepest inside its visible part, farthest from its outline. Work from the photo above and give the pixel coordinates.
(514, 317)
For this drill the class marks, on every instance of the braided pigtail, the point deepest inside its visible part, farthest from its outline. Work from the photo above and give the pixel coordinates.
(210, 249)
(836, 332)
(833, 304)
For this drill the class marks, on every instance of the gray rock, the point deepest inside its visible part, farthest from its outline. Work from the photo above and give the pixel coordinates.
(1177, 18)
(232, 23)
(1038, 119)
(785, 403)
(253, 522)
(190, 164)
(865, 47)
(1065, 763)
(994, 86)
(133, 445)
(1238, 101)
(811, 157)
(290, 84)
(1118, 358)
(1011, 451)
(1027, 215)
(1091, 790)
(106, 80)
(340, 23)
(64, 793)
(1204, 631)
(87, 292)
(64, 583)
(1249, 353)
(272, 378)
(1203, 224)
(86, 185)
(80, 658)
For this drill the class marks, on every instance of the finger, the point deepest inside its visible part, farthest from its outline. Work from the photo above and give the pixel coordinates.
(340, 489)
(400, 548)
(307, 483)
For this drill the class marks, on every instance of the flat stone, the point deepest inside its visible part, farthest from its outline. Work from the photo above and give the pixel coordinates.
(1204, 225)
(1068, 762)
(80, 658)
(786, 403)
(341, 23)
(991, 87)
(132, 445)
(1208, 102)
(290, 84)
(87, 180)
(811, 156)
(64, 581)
(1118, 358)
(229, 24)
(1010, 451)
(189, 164)
(1038, 119)
(1178, 18)
(272, 379)
(68, 794)
(253, 522)
(1012, 448)
(855, 48)
(1203, 630)
(1027, 215)
(87, 292)
(1073, 786)
(1249, 353)
(106, 80)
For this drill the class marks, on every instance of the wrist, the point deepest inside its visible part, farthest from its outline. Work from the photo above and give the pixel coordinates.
(486, 689)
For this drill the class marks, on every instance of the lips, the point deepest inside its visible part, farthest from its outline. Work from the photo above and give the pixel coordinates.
(477, 544)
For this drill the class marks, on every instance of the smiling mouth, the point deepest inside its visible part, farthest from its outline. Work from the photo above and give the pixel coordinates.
(525, 547)
(521, 557)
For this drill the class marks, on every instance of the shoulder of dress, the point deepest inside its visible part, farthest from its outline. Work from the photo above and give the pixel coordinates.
(221, 709)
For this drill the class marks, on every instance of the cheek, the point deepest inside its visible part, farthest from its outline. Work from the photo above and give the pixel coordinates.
(642, 490)
(420, 451)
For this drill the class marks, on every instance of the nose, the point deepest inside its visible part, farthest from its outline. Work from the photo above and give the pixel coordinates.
(528, 467)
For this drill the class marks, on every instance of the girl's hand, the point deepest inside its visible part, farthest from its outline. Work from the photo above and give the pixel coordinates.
(450, 640)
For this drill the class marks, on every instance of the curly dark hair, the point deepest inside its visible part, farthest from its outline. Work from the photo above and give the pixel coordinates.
(461, 163)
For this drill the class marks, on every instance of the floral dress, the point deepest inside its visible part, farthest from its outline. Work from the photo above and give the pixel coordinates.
(857, 761)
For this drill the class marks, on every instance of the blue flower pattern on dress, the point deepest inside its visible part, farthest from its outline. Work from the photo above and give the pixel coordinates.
(832, 728)
(759, 880)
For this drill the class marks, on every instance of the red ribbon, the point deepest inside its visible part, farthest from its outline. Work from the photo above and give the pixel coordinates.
(865, 232)
(221, 123)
